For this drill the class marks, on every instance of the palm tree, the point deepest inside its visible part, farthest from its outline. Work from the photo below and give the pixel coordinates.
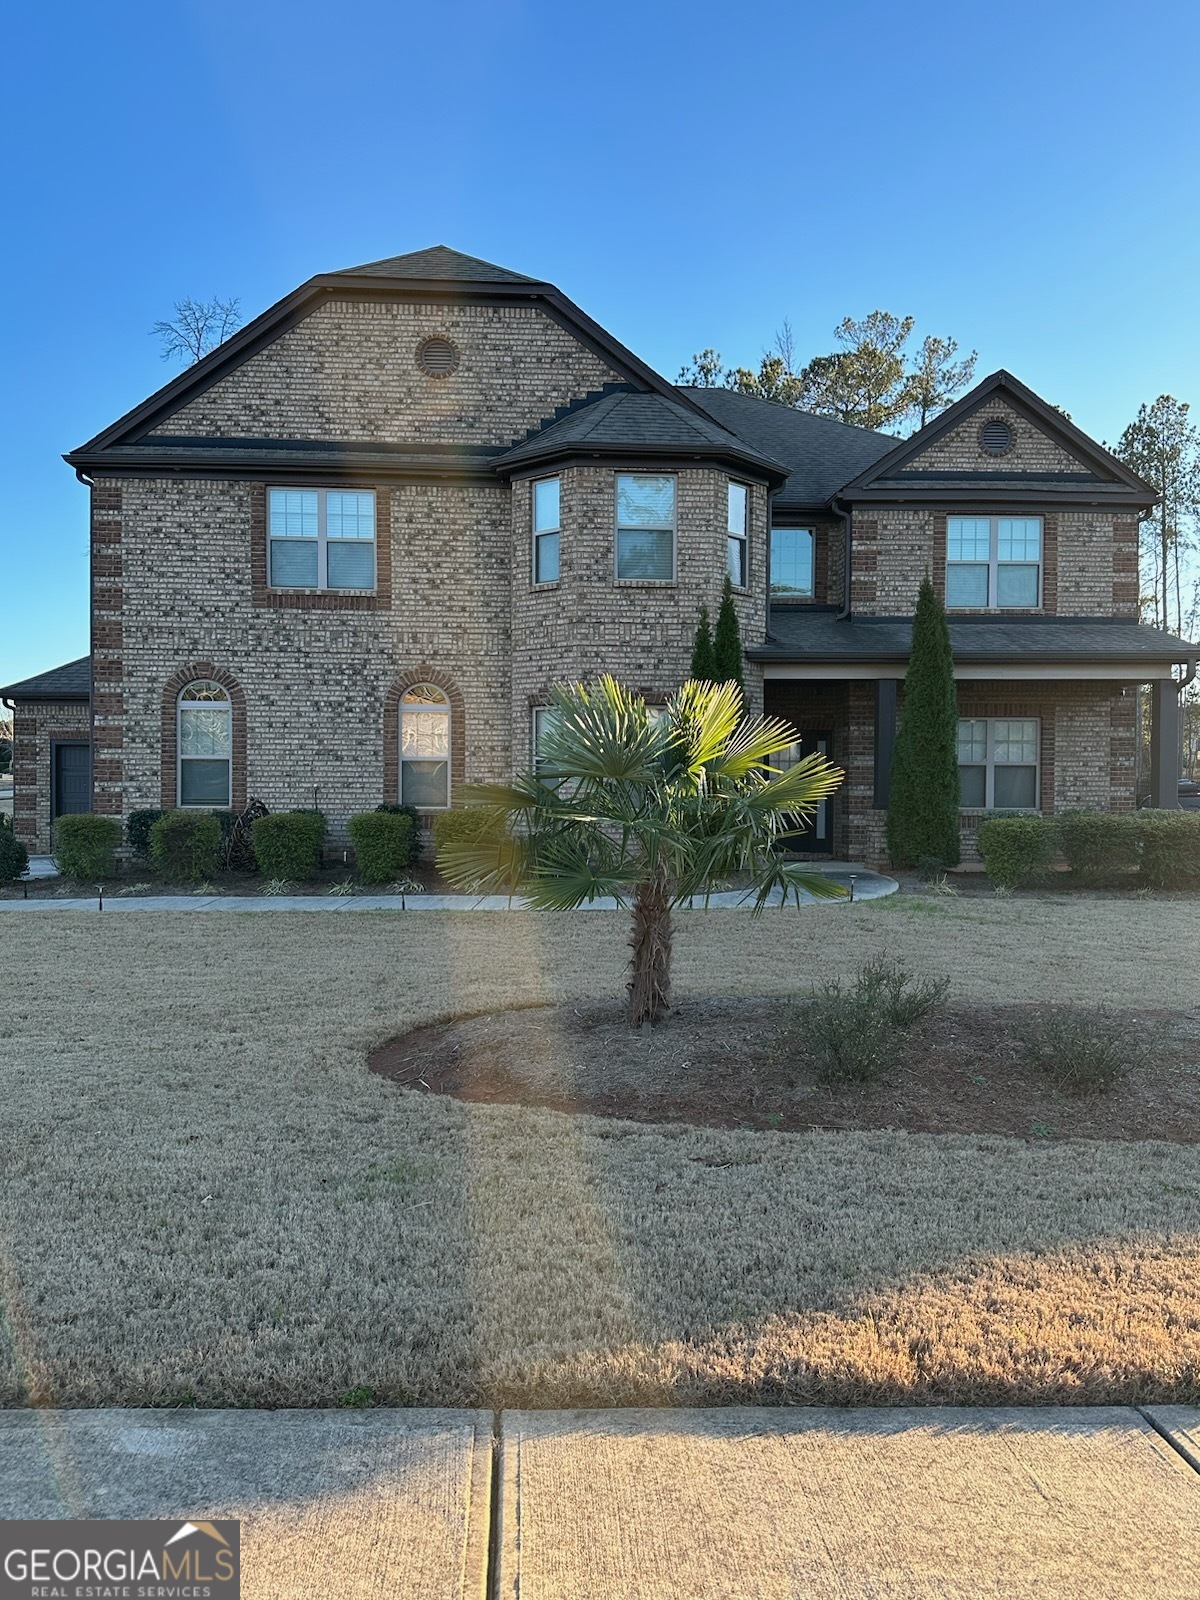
(653, 811)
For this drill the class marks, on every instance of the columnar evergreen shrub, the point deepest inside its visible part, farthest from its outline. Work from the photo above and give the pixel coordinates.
(922, 818)
(1169, 848)
(14, 857)
(84, 846)
(704, 666)
(1015, 849)
(727, 642)
(288, 844)
(185, 846)
(383, 845)
(137, 830)
(1098, 844)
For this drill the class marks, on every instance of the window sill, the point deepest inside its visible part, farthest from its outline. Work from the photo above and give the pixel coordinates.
(645, 583)
(354, 593)
(544, 588)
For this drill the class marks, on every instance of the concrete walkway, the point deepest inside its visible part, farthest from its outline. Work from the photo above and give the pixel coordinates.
(738, 1503)
(858, 881)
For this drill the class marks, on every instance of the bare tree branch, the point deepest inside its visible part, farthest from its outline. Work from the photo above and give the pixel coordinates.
(197, 327)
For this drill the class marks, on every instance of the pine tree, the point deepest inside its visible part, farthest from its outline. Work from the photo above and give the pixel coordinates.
(727, 641)
(703, 663)
(922, 819)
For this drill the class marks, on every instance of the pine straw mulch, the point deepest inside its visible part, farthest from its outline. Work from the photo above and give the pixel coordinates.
(742, 1063)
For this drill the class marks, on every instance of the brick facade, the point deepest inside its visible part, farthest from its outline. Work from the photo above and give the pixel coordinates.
(959, 448)
(38, 725)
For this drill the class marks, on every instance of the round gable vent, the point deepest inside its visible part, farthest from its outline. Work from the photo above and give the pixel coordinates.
(996, 437)
(437, 357)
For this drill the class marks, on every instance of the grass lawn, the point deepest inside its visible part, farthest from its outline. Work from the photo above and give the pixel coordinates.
(205, 1196)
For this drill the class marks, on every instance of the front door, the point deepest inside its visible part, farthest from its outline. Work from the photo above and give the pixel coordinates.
(814, 835)
(72, 787)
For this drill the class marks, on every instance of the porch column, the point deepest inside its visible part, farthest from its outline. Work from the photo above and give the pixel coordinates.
(885, 738)
(1164, 744)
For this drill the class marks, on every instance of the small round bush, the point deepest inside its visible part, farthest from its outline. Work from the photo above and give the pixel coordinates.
(288, 844)
(137, 830)
(84, 846)
(383, 845)
(14, 857)
(185, 846)
(1015, 849)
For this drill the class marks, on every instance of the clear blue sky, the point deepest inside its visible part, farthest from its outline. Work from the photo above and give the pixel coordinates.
(1023, 178)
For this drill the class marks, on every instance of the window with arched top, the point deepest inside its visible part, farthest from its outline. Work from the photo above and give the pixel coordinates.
(205, 745)
(425, 747)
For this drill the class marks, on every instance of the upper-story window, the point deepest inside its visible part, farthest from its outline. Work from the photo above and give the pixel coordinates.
(546, 497)
(993, 563)
(205, 745)
(738, 523)
(792, 563)
(646, 527)
(321, 538)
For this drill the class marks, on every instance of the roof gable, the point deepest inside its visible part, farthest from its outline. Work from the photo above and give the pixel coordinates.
(1049, 456)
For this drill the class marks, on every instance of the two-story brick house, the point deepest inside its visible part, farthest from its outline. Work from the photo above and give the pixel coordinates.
(342, 559)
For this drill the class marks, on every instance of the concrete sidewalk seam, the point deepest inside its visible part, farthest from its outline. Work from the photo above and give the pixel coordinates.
(1146, 1413)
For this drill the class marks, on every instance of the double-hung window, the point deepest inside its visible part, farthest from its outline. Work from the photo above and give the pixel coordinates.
(791, 563)
(646, 527)
(993, 563)
(425, 748)
(205, 744)
(321, 538)
(546, 498)
(998, 763)
(738, 522)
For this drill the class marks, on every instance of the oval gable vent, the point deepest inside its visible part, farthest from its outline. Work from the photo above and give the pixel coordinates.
(437, 357)
(996, 437)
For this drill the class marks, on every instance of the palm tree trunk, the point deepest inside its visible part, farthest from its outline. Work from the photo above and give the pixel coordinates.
(650, 941)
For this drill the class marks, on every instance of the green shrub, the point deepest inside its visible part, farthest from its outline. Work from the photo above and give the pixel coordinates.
(414, 817)
(383, 843)
(1098, 844)
(1081, 1051)
(889, 987)
(137, 830)
(14, 857)
(465, 825)
(923, 808)
(288, 844)
(854, 1034)
(237, 846)
(185, 846)
(84, 846)
(1015, 849)
(1168, 848)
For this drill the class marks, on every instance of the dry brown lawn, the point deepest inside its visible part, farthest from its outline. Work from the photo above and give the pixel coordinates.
(204, 1195)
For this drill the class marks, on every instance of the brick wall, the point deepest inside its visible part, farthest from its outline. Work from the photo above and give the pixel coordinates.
(349, 372)
(959, 450)
(37, 725)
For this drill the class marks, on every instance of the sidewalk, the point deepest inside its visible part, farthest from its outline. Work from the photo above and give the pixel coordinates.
(864, 884)
(740, 1503)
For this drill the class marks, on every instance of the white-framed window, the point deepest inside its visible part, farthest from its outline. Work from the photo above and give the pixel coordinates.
(738, 525)
(321, 538)
(425, 748)
(205, 746)
(543, 717)
(792, 563)
(646, 527)
(547, 496)
(998, 763)
(993, 563)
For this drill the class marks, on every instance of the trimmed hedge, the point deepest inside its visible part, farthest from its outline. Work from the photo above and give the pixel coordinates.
(137, 830)
(1170, 848)
(185, 846)
(1098, 844)
(288, 844)
(464, 825)
(1015, 849)
(383, 845)
(14, 857)
(84, 846)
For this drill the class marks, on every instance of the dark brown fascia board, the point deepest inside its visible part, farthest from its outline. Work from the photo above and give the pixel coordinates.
(285, 468)
(1053, 422)
(43, 699)
(294, 307)
(637, 456)
(997, 494)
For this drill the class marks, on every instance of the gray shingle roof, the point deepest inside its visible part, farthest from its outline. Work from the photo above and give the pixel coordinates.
(645, 423)
(806, 634)
(820, 454)
(71, 682)
(439, 262)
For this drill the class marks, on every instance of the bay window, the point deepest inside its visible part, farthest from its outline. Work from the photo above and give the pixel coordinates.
(645, 527)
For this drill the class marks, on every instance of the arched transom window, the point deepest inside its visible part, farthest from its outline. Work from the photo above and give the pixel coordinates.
(425, 748)
(205, 745)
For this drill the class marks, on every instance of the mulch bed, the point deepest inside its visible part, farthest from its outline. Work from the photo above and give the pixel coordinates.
(726, 1063)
